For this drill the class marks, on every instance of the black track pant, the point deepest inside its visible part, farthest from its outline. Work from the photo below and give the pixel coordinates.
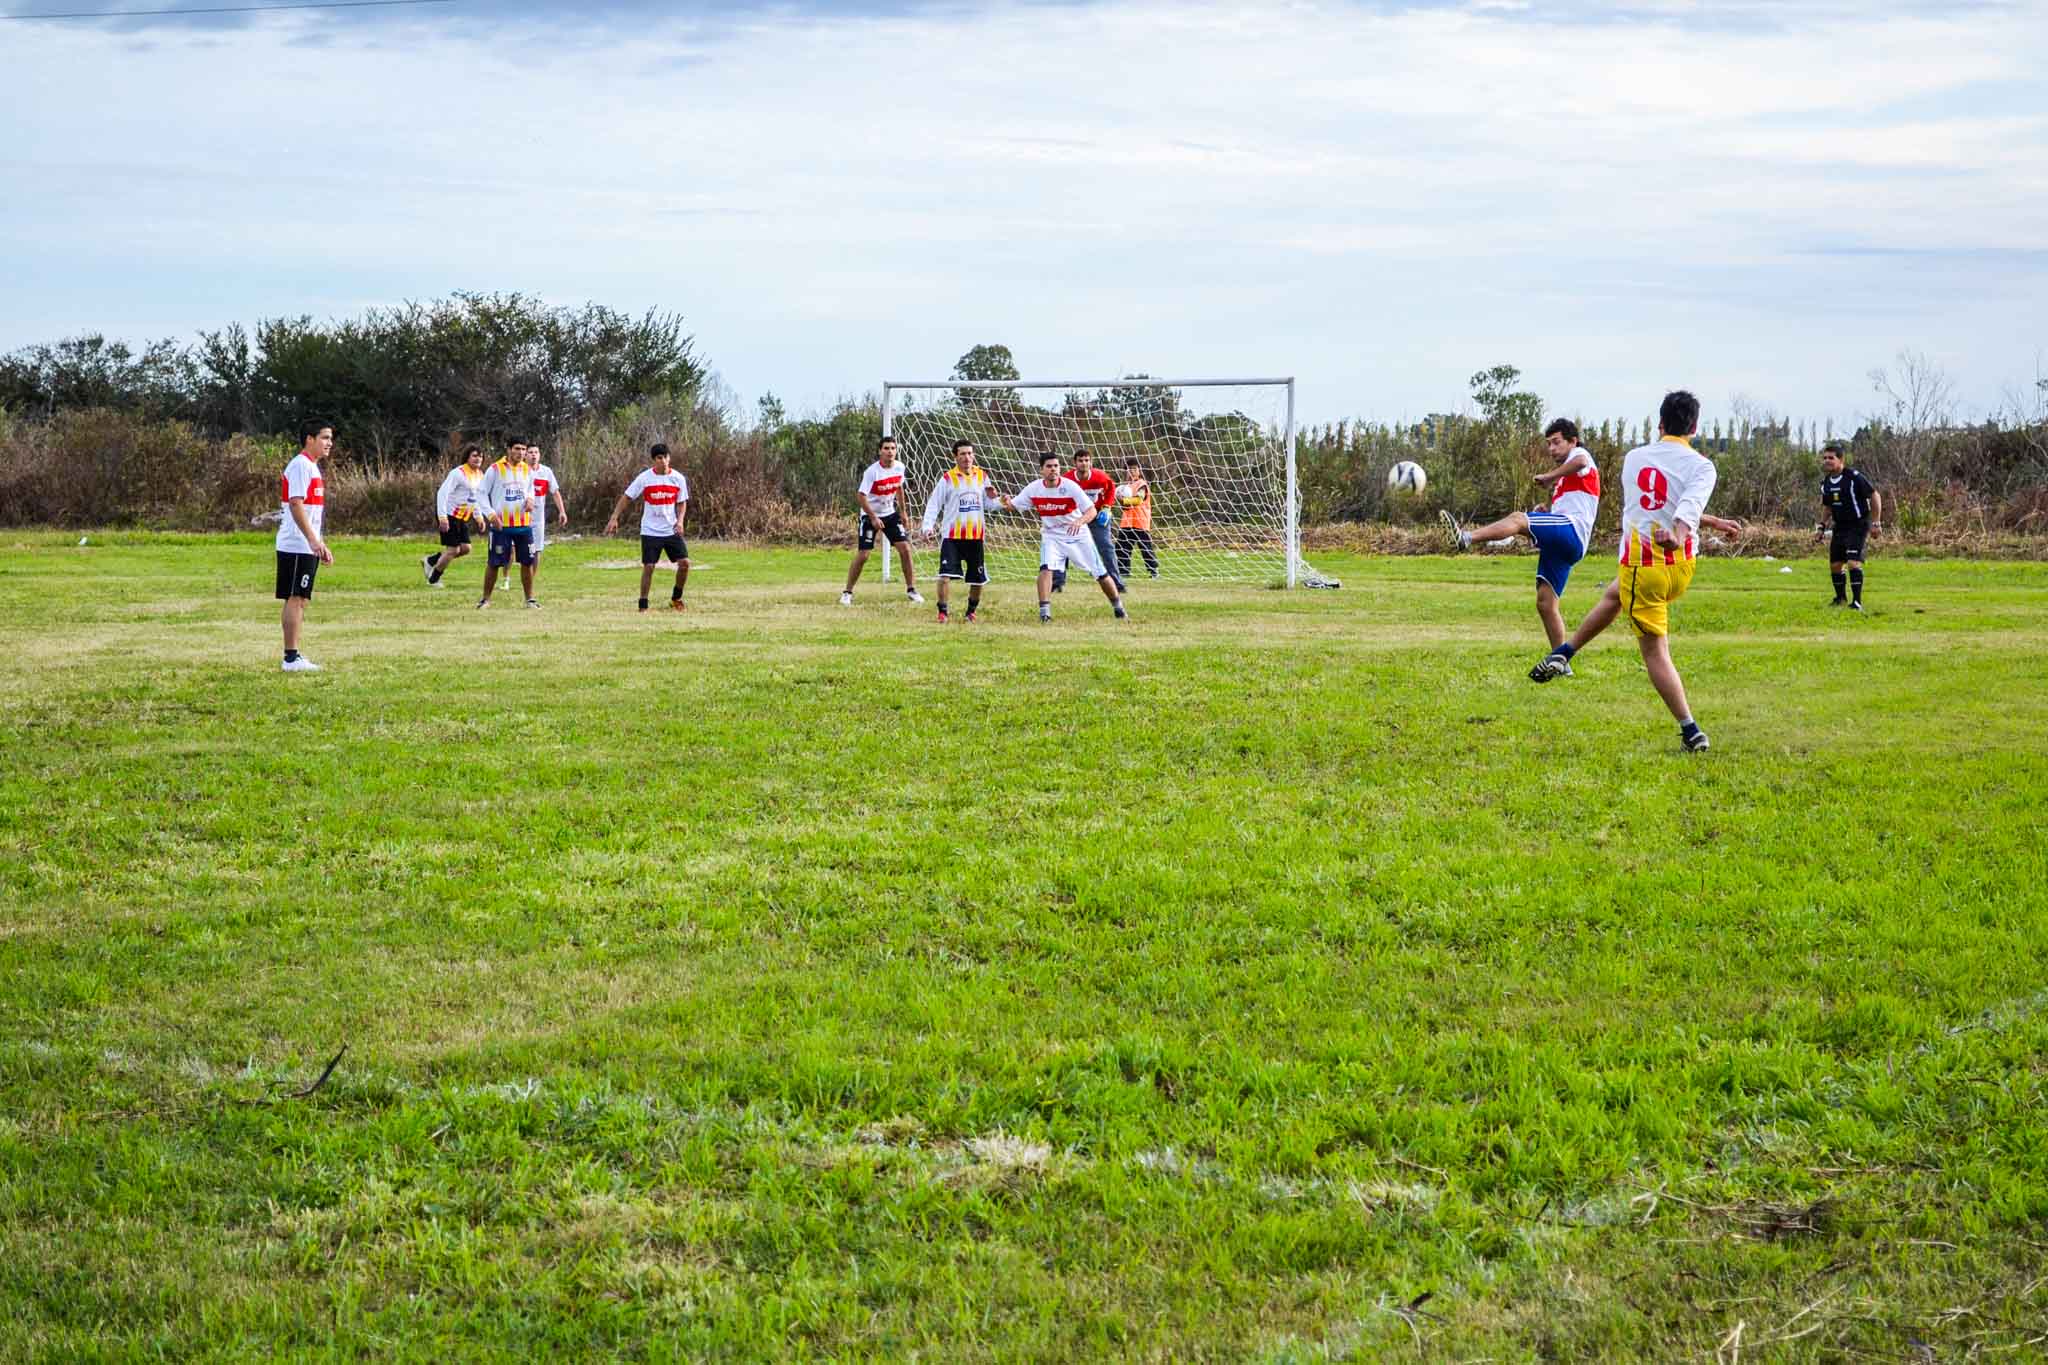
(1126, 537)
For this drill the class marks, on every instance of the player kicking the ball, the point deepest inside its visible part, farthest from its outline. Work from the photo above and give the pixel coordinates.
(1064, 512)
(957, 504)
(665, 499)
(1664, 490)
(880, 484)
(1561, 533)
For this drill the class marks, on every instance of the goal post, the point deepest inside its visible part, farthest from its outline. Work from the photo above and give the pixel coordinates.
(1218, 456)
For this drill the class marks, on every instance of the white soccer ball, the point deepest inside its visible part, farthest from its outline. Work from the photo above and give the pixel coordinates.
(1125, 495)
(1407, 477)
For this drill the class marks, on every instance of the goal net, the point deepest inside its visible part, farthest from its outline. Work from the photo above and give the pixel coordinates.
(1218, 456)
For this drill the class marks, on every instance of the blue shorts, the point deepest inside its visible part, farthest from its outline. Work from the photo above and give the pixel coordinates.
(1558, 548)
(509, 543)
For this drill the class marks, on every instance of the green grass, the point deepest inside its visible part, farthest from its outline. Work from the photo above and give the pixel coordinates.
(779, 981)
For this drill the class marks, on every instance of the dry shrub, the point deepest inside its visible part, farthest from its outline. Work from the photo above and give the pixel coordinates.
(98, 467)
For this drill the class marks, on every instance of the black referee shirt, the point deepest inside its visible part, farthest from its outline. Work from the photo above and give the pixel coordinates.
(1847, 495)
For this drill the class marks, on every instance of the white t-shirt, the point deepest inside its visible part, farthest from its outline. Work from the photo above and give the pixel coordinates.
(543, 484)
(301, 480)
(1056, 506)
(1578, 494)
(662, 494)
(1661, 483)
(882, 485)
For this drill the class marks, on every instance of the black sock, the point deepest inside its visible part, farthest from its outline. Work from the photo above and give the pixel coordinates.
(675, 594)
(290, 654)
(1856, 584)
(1565, 650)
(1840, 581)
(643, 604)
(1689, 728)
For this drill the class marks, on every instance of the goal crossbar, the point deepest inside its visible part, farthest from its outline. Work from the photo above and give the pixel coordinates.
(1222, 473)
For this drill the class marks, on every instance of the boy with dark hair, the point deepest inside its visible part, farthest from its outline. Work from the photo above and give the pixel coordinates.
(455, 507)
(1852, 508)
(957, 510)
(301, 549)
(1134, 527)
(1664, 490)
(881, 483)
(506, 494)
(1562, 532)
(1097, 484)
(665, 500)
(1063, 511)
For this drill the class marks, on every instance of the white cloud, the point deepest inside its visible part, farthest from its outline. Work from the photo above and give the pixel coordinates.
(1382, 200)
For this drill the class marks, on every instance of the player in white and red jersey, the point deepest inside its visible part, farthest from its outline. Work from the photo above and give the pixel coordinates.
(1064, 510)
(664, 501)
(1664, 490)
(301, 548)
(545, 486)
(1563, 532)
(881, 483)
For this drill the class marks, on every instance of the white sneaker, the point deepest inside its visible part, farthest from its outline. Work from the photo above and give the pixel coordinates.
(427, 568)
(846, 599)
(916, 597)
(302, 664)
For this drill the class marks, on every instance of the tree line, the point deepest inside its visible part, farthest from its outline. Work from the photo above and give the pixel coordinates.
(94, 432)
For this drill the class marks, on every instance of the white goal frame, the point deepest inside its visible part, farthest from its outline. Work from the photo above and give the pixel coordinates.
(1292, 529)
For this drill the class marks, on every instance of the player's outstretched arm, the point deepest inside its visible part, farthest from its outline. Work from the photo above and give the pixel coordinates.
(1727, 526)
(617, 512)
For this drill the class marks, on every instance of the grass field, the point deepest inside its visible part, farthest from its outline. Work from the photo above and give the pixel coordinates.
(1279, 977)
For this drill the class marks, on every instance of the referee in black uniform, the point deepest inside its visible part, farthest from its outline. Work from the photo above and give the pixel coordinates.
(1852, 508)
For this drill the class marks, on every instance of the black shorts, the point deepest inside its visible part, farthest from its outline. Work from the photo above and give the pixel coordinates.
(892, 527)
(509, 543)
(962, 559)
(1845, 546)
(457, 532)
(652, 548)
(295, 574)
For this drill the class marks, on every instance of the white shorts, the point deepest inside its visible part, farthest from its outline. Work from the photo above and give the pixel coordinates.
(1058, 552)
(540, 537)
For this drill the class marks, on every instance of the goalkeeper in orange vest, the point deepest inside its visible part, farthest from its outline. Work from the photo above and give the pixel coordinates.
(1134, 525)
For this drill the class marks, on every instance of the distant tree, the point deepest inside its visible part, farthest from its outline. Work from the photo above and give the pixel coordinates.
(983, 363)
(1502, 404)
(770, 414)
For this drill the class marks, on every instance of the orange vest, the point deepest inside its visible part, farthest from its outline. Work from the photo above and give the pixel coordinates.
(1138, 515)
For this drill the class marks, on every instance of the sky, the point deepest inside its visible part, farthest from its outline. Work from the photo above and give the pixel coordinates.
(1759, 201)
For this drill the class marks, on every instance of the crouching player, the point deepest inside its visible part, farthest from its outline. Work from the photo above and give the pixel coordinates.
(1561, 534)
(1064, 512)
(956, 510)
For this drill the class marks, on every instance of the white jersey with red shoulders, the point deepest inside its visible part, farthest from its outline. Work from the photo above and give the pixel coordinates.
(302, 481)
(1577, 495)
(1662, 483)
(1055, 506)
(881, 486)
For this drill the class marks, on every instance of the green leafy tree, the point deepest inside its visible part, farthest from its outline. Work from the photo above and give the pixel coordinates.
(981, 364)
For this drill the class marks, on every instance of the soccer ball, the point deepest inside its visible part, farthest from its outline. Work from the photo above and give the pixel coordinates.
(1407, 477)
(1126, 495)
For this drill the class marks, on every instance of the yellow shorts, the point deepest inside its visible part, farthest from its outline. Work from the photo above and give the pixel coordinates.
(1648, 590)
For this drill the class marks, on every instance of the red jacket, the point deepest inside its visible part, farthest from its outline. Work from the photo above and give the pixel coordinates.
(1099, 485)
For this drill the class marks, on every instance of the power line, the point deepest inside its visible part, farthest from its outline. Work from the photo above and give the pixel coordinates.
(225, 9)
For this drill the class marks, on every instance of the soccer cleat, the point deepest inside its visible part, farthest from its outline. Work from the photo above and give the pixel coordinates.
(943, 618)
(1855, 606)
(1121, 614)
(846, 599)
(302, 664)
(1695, 743)
(676, 604)
(482, 603)
(1461, 539)
(1044, 612)
(1839, 602)
(533, 602)
(427, 567)
(969, 618)
(916, 597)
(1567, 671)
(1552, 666)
